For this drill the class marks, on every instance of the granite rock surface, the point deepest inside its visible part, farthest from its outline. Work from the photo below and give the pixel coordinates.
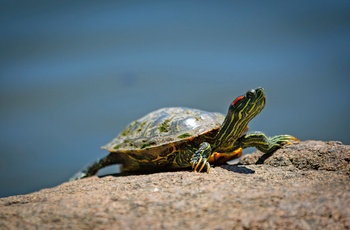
(303, 186)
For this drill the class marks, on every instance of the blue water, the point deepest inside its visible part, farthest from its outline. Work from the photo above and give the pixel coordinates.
(73, 74)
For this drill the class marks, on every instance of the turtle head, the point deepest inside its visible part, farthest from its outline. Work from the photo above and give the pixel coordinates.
(241, 111)
(248, 104)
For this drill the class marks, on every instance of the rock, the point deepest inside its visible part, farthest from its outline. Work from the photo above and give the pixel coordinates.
(304, 186)
(330, 156)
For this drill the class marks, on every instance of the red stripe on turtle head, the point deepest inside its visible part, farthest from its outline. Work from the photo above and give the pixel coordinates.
(237, 100)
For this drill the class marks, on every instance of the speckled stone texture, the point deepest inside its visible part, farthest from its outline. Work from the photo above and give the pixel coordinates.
(305, 186)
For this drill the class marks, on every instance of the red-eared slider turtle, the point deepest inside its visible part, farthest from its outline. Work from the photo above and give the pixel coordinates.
(176, 138)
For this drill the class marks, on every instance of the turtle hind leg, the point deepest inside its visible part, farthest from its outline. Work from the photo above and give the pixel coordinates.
(267, 145)
(94, 167)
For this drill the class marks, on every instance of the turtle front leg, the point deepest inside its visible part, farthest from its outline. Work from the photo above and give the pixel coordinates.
(265, 144)
(200, 158)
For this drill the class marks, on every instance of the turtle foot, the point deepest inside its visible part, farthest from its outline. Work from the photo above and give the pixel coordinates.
(200, 164)
(284, 140)
(199, 160)
(78, 175)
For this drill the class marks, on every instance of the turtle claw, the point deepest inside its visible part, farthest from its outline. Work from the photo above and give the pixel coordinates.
(200, 158)
(200, 164)
(281, 140)
(292, 141)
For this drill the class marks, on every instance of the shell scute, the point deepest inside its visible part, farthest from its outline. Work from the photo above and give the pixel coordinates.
(164, 126)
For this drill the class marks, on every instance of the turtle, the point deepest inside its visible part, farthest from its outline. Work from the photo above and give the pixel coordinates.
(176, 138)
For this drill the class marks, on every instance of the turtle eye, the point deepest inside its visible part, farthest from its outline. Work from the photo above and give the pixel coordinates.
(237, 100)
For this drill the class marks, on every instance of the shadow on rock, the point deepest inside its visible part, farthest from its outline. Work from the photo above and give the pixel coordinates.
(123, 174)
(237, 169)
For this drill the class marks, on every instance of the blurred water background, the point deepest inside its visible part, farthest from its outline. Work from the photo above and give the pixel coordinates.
(74, 73)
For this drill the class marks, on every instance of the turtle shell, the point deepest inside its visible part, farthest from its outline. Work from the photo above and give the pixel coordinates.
(164, 126)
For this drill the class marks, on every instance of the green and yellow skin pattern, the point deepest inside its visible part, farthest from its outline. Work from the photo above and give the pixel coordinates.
(176, 138)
